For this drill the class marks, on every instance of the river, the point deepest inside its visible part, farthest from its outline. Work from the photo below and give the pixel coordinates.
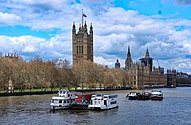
(174, 109)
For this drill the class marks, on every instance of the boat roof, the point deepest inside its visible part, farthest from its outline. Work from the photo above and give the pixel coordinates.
(60, 97)
(133, 92)
(155, 90)
(62, 90)
(103, 94)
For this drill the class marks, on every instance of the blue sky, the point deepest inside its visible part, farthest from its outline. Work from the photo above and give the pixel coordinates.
(43, 28)
(168, 8)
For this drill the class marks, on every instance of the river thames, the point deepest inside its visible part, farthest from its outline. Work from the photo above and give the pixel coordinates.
(174, 109)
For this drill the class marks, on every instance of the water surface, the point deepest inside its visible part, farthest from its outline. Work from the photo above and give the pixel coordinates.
(174, 109)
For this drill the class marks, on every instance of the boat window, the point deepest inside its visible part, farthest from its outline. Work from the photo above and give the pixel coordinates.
(105, 102)
(60, 101)
(113, 96)
(98, 95)
(114, 102)
(64, 101)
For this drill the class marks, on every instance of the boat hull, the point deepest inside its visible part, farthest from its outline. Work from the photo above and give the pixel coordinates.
(132, 97)
(156, 98)
(58, 107)
(100, 109)
(79, 107)
(144, 96)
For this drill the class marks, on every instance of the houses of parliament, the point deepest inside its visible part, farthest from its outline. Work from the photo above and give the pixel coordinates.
(141, 74)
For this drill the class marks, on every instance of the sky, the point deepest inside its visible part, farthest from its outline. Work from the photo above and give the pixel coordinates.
(43, 28)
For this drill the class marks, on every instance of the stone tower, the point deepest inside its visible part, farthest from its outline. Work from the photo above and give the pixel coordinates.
(128, 61)
(147, 61)
(117, 64)
(82, 44)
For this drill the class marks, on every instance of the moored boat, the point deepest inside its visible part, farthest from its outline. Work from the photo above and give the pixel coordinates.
(156, 95)
(103, 101)
(144, 96)
(132, 95)
(81, 102)
(63, 100)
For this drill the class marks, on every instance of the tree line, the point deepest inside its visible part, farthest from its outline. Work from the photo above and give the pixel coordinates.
(58, 73)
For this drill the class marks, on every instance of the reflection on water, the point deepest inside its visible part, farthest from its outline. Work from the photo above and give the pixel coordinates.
(173, 109)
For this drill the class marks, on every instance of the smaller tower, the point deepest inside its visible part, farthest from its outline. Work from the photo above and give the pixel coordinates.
(147, 54)
(147, 61)
(128, 61)
(117, 64)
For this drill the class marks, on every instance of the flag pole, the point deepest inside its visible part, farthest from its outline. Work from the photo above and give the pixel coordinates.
(82, 17)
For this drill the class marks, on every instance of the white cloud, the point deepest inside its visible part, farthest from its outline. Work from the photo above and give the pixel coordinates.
(180, 64)
(9, 19)
(29, 47)
(104, 62)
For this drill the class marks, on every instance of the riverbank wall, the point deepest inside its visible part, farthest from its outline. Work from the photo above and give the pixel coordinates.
(27, 93)
(53, 92)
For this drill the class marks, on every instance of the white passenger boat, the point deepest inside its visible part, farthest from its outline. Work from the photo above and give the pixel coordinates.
(132, 95)
(103, 102)
(156, 95)
(63, 100)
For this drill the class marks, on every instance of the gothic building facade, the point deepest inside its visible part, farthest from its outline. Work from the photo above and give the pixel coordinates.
(82, 44)
(142, 74)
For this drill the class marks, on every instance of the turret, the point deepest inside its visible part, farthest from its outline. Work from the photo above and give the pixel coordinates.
(91, 29)
(117, 64)
(80, 27)
(129, 54)
(128, 60)
(74, 28)
(147, 61)
(85, 27)
(147, 54)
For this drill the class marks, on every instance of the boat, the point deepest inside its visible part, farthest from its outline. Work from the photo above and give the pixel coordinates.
(144, 96)
(81, 102)
(103, 101)
(156, 95)
(63, 100)
(132, 95)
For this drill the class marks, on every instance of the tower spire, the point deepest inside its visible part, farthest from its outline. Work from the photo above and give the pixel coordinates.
(147, 53)
(128, 60)
(129, 53)
(74, 26)
(85, 25)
